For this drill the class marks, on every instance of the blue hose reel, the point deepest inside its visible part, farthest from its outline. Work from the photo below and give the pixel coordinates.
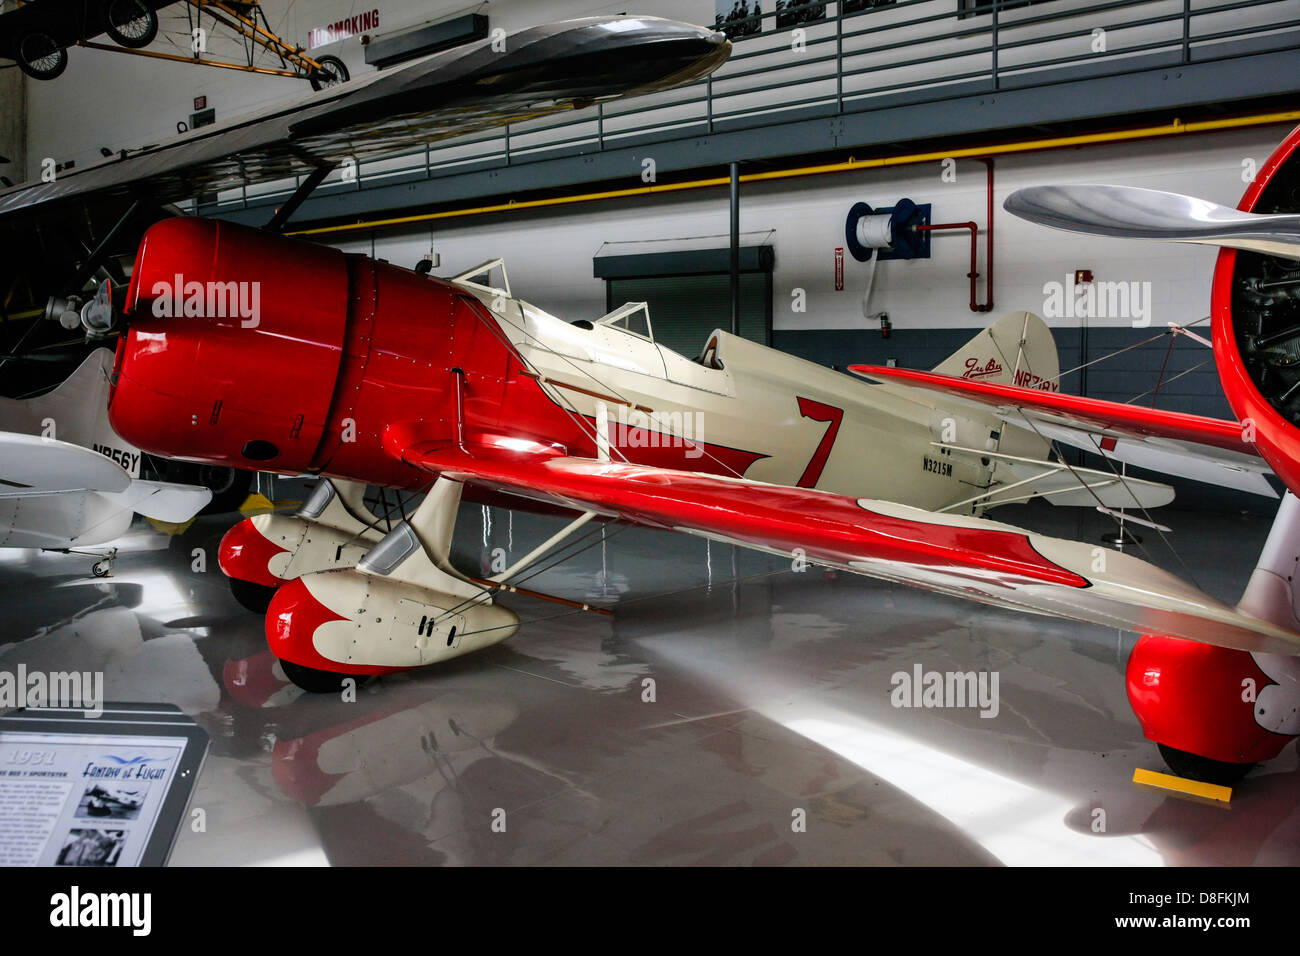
(891, 231)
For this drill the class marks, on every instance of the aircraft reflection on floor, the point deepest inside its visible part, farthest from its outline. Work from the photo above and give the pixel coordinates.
(687, 729)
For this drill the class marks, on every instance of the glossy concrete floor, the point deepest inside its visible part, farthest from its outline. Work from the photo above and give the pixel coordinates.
(722, 722)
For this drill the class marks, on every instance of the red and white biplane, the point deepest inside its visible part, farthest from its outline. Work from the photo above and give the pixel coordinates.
(365, 373)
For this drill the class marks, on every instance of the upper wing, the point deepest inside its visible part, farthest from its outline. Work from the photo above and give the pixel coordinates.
(546, 69)
(1193, 446)
(968, 557)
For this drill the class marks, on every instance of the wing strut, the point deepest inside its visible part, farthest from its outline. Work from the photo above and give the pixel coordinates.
(305, 188)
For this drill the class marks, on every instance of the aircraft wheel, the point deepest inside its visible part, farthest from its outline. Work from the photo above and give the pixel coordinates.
(41, 57)
(1196, 767)
(130, 23)
(254, 597)
(229, 487)
(318, 682)
(332, 72)
(101, 569)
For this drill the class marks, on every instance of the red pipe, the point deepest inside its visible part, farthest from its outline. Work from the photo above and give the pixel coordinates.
(975, 305)
(988, 238)
(974, 229)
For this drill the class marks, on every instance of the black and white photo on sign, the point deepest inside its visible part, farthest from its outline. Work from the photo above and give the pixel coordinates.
(91, 847)
(106, 801)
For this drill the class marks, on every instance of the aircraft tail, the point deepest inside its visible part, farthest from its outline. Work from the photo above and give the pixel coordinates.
(76, 411)
(1017, 349)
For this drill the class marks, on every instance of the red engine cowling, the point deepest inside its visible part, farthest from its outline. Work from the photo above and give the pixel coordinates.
(266, 353)
(1256, 312)
(235, 346)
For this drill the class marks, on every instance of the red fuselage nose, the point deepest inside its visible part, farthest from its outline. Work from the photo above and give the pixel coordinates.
(272, 354)
(235, 345)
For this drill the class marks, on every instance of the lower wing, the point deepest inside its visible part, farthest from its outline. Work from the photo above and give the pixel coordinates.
(967, 557)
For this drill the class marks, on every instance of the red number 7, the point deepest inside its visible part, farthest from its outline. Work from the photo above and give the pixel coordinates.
(819, 413)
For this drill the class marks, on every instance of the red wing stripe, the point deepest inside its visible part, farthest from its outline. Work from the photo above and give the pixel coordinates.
(828, 528)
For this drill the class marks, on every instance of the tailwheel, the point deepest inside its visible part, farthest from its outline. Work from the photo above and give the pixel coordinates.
(254, 597)
(316, 681)
(103, 568)
(1205, 769)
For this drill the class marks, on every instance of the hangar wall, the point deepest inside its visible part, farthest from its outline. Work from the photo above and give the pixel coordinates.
(549, 256)
(113, 100)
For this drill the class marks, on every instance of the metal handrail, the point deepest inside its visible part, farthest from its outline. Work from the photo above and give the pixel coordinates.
(835, 70)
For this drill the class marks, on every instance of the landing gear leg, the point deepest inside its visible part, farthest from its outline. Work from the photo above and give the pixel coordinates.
(103, 568)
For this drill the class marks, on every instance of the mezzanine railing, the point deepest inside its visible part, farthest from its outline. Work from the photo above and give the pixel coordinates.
(809, 60)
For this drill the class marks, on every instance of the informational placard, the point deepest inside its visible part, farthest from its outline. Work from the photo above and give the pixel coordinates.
(106, 792)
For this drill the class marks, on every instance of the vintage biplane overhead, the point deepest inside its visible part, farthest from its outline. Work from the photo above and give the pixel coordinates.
(60, 494)
(365, 373)
(37, 34)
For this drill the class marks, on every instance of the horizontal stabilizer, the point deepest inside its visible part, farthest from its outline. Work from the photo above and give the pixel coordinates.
(1085, 487)
(165, 501)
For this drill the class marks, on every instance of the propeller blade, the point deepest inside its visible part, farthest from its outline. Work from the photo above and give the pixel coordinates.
(1130, 213)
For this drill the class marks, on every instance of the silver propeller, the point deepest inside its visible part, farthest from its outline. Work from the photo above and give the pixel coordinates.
(1130, 213)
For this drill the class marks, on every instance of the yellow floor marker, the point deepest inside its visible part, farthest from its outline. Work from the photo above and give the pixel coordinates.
(1194, 788)
(171, 527)
(256, 504)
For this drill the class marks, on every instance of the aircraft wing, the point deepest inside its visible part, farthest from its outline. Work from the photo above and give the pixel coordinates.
(54, 494)
(34, 466)
(1193, 446)
(966, 557)
(545, 69)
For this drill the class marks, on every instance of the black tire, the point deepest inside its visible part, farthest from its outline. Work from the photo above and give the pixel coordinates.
(319, 682)
(130, 23)
(1195, 767)
(229, 487)
(333, 72)
(41, 57)
(254, 597)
